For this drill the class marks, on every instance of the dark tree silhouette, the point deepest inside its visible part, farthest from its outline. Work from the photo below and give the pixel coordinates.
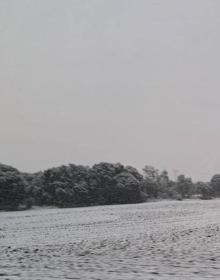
(215, 184)
(12, 188)
(104, 183)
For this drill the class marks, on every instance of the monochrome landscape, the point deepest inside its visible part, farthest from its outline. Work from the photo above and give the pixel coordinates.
(155, 240)
(109, 139)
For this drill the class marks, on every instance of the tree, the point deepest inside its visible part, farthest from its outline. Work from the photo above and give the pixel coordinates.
(12, 188)
(151, 181)
(156, 184)
(184, 186)
(116, 183)
(65, 186)
(151, 174)
(127, 189)
(205, 190)
(215, 184)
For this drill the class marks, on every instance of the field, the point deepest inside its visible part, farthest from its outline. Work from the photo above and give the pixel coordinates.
(158, 240)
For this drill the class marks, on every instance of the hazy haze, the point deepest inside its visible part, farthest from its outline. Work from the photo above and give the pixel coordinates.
(135, 81)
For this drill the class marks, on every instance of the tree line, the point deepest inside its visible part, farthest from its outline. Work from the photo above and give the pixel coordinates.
(102, 184)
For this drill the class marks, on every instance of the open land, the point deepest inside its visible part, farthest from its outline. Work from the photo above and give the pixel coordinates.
(156, 240)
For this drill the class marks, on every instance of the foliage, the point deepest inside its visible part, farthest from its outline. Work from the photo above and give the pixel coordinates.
(215, 184)
(76, 185)
(12, 188)
(157, 184)
(184, 186)
(104, 183)
(205, 190)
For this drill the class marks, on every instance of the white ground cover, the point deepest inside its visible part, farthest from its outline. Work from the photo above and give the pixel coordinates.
(158, 240)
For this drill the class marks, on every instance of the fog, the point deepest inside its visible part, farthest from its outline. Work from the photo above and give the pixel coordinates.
(120, 81)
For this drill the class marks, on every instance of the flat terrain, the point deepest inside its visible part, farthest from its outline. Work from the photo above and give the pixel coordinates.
(160, 240)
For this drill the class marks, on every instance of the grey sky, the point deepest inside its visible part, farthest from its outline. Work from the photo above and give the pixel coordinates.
(135, 81)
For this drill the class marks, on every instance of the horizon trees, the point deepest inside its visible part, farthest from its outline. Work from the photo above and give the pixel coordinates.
(103, 183)
(12, 188)
(76, 185)
(215, 184)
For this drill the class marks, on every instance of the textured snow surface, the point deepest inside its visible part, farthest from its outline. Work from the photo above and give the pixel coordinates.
(160, 240)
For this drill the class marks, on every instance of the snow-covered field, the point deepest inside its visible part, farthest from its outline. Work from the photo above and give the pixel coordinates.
(158, 240)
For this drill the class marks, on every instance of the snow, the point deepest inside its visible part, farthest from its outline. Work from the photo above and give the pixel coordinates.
(158, 240)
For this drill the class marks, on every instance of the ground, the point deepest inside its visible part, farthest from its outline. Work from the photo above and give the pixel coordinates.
(158, 240)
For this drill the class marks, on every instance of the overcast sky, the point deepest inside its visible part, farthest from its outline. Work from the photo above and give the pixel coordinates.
(131, 81)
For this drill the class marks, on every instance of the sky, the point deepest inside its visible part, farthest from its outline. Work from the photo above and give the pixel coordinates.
(130, 81)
